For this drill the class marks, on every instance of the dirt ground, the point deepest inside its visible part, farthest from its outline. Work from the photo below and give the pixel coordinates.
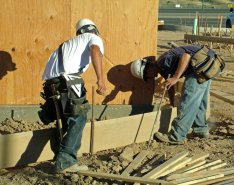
(220, 145)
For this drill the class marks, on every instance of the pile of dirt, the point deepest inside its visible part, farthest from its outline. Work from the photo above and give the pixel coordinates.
(9, 126)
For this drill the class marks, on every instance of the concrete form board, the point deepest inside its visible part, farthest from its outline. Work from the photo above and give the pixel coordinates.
(26, 147)
(35, 146)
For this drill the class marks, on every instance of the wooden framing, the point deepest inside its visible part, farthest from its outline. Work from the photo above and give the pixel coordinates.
(35, 146)
(195, 38)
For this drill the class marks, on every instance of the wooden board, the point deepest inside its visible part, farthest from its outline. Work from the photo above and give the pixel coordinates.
(155, 173)
(31, 30)
(123, 178)
(33, 146)
(136, 162)
(228, 97)
(127, 130)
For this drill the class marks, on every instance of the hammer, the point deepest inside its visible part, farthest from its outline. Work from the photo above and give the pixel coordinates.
(55, 98)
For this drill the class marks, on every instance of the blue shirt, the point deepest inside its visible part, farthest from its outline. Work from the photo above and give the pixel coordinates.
(168, 62)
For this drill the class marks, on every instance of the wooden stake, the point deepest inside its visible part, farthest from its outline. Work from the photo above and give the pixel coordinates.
(221, 180)
(220, 18)
(215, 167)
(153, 164)
(204, 166)
(198, 157)
(198, 24)
(225, 171)
(188, 167)
(205, 25)
(175, 167)
(136, 162)
(190, 181)
(166, 165)
(92, 123)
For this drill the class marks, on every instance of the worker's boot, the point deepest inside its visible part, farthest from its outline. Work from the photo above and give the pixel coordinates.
(167, 138)
(74, 168)
(199, 135)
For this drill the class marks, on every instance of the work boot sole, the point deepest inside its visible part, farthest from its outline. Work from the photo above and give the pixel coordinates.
(74, 168)
(164, 138)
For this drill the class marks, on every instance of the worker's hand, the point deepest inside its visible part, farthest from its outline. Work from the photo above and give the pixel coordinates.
(101, 88)
(170, 82)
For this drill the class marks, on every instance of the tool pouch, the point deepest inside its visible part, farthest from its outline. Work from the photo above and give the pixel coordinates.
(47, 113)
(206, 64)
(72, 104)
(79, 106)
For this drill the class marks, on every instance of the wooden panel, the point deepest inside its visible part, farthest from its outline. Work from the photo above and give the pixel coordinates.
(128, 30)
(31, 30)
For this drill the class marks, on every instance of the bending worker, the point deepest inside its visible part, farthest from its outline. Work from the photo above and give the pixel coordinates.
(194, 98)
(63, 70)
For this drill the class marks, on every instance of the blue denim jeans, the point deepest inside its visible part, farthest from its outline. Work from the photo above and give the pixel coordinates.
(192, 109)
(71, 142)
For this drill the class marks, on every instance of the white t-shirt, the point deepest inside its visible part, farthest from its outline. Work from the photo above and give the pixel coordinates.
(76, 56)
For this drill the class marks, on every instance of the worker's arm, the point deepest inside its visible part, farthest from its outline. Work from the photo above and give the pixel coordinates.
(96, 58)
(183, 63)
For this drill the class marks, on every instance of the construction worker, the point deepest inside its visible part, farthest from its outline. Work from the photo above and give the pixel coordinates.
(63, 70)
(194, 98)
(230, 18)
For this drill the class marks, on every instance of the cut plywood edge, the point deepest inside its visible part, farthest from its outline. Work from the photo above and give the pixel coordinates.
(36, 146)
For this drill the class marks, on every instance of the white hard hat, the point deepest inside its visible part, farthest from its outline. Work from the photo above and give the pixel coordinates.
(86, 25)
(137, 68)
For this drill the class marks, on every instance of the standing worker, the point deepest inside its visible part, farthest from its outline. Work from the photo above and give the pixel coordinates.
(230, 18)
(193, 104)
(63, 70)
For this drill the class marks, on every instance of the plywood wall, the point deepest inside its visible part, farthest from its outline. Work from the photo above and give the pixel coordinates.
(30, 30)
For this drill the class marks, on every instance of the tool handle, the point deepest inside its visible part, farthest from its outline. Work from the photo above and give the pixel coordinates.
(92, 123)
(55, 98)
(156, 118)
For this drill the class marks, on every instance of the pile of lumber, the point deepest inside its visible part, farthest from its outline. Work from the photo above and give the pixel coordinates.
(180, 169)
